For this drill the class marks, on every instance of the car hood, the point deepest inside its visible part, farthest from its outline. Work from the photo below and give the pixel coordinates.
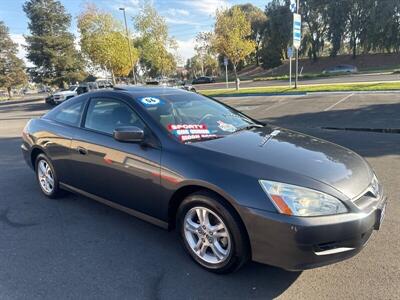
(297, 153)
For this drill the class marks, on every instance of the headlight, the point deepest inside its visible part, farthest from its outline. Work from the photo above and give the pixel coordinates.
(376, 188)
(298, 201)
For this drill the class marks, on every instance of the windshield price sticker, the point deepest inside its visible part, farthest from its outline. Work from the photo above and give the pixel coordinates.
(226, 127)
(187, 132)
(150, 101)
(185, 138)
(188, 129)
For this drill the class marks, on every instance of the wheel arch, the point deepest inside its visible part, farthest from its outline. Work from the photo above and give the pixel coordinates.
(183, 192)
(34, 154)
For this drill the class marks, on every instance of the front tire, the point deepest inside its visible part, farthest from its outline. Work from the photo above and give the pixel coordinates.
(46, 176)
(211, 233)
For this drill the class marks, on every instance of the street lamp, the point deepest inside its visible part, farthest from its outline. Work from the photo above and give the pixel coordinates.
(129, 45)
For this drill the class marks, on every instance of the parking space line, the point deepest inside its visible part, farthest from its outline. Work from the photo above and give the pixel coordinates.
(275, 105)
(340, 101)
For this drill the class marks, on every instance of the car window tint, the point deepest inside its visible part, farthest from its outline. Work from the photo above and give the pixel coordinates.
(68, 113)
(105, 115)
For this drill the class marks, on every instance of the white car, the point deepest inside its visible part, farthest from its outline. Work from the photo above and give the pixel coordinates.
(64, 95)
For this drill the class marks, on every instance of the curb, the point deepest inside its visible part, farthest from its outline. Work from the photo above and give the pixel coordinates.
(356, 92)
(20, 101)
(306, 93)
(259, 94)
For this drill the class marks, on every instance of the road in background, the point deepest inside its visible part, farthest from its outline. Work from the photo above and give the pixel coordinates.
(77, 248)
(354, 78)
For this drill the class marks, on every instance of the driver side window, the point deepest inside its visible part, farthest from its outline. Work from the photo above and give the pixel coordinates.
(105, 115)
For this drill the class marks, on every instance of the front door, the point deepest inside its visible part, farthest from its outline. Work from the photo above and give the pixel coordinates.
(125, 173)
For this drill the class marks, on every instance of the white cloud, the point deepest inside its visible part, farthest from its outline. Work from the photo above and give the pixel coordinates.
(181, 21)
(185, 49)
(20, 40)
(131, 6)
(177, 12)
(208, 7)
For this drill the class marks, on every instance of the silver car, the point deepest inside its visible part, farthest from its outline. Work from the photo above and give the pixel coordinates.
(341, 69)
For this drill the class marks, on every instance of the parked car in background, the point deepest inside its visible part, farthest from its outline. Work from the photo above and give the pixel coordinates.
(87, 87)
(104, 83)
(75, 90)
(172, 82)
(203, 79)
(61, 96)
(341, 69)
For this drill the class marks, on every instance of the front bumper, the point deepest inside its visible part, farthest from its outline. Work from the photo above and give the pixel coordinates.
(26, 154)
(299, 243)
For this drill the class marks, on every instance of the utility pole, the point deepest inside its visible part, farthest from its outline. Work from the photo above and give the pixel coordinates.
(129, 46)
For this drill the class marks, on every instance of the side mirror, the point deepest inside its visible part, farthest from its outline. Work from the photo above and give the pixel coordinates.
(128, 134)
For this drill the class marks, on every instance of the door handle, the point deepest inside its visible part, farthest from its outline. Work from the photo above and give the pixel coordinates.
(82, 150)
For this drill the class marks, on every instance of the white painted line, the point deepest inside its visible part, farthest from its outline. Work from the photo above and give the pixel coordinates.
(275, 105)
(340, 101)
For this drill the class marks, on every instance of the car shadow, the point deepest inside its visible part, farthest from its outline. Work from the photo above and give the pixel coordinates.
(167, 272)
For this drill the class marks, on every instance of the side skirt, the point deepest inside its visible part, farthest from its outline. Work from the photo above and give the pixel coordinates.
(125, 209)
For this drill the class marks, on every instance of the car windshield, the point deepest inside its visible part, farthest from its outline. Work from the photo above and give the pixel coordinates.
(190, 117)
(72, 88)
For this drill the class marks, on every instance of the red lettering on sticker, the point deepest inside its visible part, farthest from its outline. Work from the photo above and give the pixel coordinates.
(107, 160)
(186, 126)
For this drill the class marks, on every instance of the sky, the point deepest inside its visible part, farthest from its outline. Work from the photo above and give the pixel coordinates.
(185, 18)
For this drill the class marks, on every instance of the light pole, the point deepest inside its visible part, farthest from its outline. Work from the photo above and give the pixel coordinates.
(297, 51)
(129, 46)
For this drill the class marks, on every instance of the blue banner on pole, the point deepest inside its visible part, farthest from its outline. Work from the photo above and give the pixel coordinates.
(296, 30)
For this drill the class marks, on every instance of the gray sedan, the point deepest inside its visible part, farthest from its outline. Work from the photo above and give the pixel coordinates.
(234, 188)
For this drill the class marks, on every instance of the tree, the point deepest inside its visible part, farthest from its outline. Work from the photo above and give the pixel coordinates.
(12, 71)
(277, 34)
(314, 15)
(205, 54)
(50, 46)
(104, 43)
(336, 19)
(232, 37)
(358, 17)
(383, 27)
(257, 19)
(154, 43)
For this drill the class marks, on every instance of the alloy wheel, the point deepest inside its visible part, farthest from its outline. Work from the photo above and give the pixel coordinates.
(207, 235)
(45, 176)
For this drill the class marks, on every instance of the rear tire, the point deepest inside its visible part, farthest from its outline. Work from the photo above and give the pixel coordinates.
(211, 233)
(47, 177)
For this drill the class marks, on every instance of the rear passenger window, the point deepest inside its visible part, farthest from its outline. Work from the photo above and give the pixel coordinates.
(68, 112)
(105, 115)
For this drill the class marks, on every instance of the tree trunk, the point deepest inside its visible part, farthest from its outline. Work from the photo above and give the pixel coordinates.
(112, 77)
(354, 44)
(236, 77)
(314, 51)
(9, 92)
(257, 55)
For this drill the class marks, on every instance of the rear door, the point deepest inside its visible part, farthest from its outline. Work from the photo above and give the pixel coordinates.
(125, 173)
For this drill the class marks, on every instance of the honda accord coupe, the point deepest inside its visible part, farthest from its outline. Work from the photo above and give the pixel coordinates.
(234, 188)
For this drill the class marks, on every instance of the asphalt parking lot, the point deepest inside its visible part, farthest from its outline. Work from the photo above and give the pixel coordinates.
(79, 249)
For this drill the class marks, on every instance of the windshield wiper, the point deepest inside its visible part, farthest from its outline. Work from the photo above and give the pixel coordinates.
(200, 139)
(250, 126)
